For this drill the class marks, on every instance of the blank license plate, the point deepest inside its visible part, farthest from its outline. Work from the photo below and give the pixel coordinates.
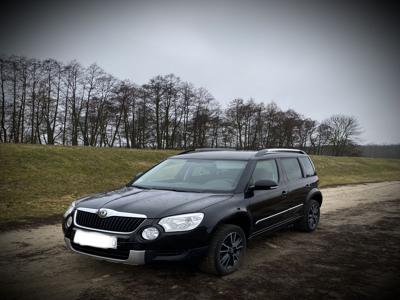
(95, 239)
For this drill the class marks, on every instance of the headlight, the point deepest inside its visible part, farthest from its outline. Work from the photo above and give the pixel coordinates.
(150, 233)
(181, 222)
(70, 209)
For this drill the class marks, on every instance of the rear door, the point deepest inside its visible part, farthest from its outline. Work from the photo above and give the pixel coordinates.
(296, 185)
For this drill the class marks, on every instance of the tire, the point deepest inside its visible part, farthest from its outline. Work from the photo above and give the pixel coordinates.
(226, 251)
(311, 216)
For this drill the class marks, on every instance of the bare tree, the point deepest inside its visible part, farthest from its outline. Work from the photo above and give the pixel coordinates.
(344, 131)
(3, 133)
(45, 101)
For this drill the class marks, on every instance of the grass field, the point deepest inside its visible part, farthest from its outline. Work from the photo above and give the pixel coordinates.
(40, 181)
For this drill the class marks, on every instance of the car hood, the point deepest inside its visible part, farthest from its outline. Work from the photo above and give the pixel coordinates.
(152, 203)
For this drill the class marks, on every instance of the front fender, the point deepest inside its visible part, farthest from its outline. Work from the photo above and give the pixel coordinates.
(235, 214)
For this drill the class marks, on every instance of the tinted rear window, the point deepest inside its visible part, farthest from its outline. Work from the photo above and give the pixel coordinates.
(292, 168)
(307, 166)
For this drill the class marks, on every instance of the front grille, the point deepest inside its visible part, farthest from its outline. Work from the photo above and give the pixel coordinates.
(122, 254)
(114, 223)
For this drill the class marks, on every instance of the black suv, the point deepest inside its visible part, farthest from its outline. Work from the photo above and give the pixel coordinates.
(202, 205)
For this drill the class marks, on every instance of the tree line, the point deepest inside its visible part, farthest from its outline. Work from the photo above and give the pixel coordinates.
(384, 151)
(49, 102)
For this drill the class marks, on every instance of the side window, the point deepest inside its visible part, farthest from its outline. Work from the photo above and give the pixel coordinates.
(292, 168)
(307, 166)
(266, 170)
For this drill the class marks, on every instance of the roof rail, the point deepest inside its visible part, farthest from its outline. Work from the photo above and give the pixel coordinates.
(274, 150)
(206, 150)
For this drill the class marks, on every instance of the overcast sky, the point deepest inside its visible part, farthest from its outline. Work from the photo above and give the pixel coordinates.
(317, 57)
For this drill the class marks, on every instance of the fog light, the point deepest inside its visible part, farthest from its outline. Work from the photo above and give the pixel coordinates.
(150, 233)
(69, 222)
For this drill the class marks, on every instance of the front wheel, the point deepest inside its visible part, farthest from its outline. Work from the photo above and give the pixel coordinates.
(226, 251)
(311, 215)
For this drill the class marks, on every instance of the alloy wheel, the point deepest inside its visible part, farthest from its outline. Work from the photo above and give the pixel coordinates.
(313, 216)
(230, 250)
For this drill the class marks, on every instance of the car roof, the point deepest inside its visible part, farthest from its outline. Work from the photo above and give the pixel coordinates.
(235, 155)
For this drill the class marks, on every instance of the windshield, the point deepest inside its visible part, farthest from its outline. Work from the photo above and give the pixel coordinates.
(199, 175)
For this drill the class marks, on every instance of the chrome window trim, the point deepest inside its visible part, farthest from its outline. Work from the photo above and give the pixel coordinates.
(110, 213)
(279, 213)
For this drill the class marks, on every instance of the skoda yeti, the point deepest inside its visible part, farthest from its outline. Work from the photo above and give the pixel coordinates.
(202, 205)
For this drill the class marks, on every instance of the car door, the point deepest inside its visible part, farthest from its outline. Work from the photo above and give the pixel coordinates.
(311, 179)
(265, 205)
(296, 185)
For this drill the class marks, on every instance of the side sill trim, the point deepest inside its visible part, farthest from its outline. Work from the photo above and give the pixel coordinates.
(274, 227)
(136, 257)
(279, 213)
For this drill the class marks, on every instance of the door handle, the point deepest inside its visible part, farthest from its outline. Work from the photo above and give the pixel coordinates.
(284, 194)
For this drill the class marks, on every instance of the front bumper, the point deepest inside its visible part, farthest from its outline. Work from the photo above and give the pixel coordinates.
(132, 249)
(140, 257)
(136, 257)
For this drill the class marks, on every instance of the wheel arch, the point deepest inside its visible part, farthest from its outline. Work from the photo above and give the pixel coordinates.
(241, 219)
(315, 194)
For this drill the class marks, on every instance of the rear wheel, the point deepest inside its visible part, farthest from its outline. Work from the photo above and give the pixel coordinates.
(311, 216)
(226, 251)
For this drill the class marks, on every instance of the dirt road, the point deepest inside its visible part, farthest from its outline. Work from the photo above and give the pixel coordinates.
(355, 254)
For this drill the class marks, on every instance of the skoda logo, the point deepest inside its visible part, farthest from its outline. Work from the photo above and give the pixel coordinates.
(102, 213)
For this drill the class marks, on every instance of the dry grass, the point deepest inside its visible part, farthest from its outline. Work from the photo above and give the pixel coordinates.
(40, 181)
(349, 170)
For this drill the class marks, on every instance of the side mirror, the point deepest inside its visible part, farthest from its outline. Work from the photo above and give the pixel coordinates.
(265, 185)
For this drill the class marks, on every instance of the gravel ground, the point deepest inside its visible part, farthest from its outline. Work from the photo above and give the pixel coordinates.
(354, 254)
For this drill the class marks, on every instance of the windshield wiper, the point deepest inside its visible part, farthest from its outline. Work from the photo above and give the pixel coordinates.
(168, 189)
(141, 187)
(165, 189)
(154, 188)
